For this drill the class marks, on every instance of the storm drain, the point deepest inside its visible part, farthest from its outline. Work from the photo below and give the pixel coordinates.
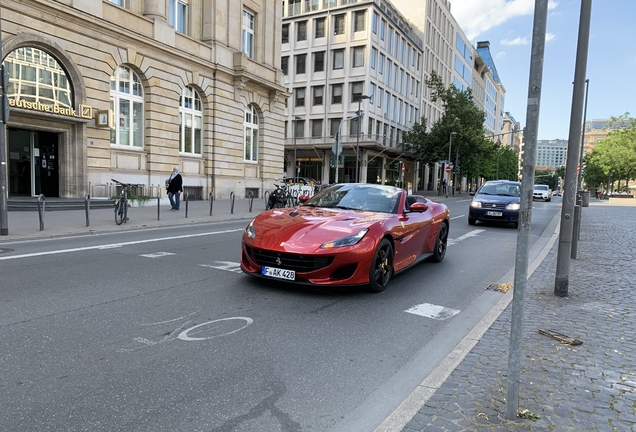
(502, 287)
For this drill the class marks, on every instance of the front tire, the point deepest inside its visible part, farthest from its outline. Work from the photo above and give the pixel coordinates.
(471, 221)
(381, 269)
(119, 213)
(441, 243)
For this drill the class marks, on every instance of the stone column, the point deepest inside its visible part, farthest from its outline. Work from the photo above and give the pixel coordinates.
(156, 9)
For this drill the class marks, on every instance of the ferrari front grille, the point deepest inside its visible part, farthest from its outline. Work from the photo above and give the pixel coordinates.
(287, 261)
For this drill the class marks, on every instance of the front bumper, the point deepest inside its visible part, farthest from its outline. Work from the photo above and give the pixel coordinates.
(481, 214)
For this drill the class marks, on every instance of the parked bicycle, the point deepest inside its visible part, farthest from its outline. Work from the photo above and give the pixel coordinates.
(121, 206)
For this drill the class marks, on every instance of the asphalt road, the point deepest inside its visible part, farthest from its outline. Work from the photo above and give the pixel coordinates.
(158, 330)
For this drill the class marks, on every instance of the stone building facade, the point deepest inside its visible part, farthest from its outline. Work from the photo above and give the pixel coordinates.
(127, 90)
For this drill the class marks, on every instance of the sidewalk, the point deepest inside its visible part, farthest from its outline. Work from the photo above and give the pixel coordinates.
(25, 225)
(589, 387)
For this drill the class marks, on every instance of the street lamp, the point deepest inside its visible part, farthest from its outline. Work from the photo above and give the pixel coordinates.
(587, 86)
(450, 144)
(360, 97)
(296, 118)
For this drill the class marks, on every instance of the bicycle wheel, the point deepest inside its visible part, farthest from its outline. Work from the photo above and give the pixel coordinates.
(119, 213)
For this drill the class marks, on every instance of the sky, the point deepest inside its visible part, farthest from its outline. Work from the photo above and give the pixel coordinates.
(611, 61)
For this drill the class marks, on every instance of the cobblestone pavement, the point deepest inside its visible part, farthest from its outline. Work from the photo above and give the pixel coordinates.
(589, 387)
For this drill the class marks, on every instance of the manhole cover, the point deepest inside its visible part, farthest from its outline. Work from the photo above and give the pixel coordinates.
(505, 287)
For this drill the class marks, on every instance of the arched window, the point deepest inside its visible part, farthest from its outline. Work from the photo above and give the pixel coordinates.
(127, 105)
(36, 76)
(251, 134)
(190, 122)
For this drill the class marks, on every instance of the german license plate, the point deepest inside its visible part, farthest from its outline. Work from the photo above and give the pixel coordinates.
(493, 213)
(278, 273)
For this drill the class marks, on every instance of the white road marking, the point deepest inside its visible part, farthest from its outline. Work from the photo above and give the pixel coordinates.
(472, 233)
(157, 254)
(432, 311)
(115, 245)
(225, 265)
(184, 334)
(457, 217)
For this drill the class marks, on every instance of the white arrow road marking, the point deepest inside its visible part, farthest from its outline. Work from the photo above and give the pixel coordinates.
(432, 311)
(157, 254)
(225, 265)
(472, 233)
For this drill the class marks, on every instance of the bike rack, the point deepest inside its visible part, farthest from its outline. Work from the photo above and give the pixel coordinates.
(87, 207)
(251, 198)
(211, 199)
(41, 208)
(232, 202)
(266, 197)
(185, 198)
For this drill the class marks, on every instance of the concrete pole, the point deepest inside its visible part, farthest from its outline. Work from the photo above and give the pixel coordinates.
(4, 191)
(525, 213)
(580, 182)
(562, 277)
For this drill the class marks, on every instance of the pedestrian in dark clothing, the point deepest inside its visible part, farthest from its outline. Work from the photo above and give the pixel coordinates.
(174, 188)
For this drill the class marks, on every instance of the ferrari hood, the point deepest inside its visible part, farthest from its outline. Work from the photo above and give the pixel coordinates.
(303, 229)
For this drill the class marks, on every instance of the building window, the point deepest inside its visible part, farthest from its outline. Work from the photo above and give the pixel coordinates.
(356, 91)
(319, 61)
(320, 27)
(374, 23)
(300, 97)
(382, 27)
(336, 94)
(371, 94)
(389, 36)
(334, 124)
(299, 128)
(301, 31)
(122, 3)
(379, 98)
(338, 59)
(339, 25)
(248, 34)
(300, 63)
(127, 104)
(191, 122)
(359, 21)
(358, 56)
(381, 64)
(284, 65)
(374, 54)
(285, 34)
(178, 15)
(251, 134)
(318, 92)
(316, 128)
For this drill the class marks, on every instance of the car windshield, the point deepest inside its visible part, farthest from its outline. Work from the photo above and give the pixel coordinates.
(540, 187)
(500, 189)
(375, 198)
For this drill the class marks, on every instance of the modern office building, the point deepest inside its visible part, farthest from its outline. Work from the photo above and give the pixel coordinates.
(489, 90)
(127, 90)
(340, 57)
(551, 154)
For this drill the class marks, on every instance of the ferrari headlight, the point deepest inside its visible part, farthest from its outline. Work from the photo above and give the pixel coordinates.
(345, 241)
(513, 206)
(475, 204)
(250, 231)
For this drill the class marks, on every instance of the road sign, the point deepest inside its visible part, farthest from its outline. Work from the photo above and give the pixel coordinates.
(448, 168)
(336, 148)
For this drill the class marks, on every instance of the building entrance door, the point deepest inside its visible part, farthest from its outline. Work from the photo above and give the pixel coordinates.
(34, 163)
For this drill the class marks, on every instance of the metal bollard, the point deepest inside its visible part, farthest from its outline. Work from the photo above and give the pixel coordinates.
(576, 231)
(87, 207)
(211, 199)
(185, 197)
(41, 209)
(266, 197)
(158, 202)
(251, 198)
(232, 202)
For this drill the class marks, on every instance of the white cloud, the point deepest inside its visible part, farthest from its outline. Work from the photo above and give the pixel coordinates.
(500, 55)
(515, 41)
(477, 17)
(549, 37)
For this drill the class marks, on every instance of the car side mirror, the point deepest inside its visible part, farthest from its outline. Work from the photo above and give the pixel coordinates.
(418, 207)
(303, 198)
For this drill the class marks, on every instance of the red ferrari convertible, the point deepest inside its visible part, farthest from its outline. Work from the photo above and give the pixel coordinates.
(348, 234)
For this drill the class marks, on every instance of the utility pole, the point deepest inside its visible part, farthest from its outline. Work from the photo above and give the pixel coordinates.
(580, 182)
(525, 213)
(4, 114)
(562, 278)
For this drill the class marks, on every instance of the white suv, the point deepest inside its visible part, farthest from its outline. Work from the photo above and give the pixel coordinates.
(542, 192)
